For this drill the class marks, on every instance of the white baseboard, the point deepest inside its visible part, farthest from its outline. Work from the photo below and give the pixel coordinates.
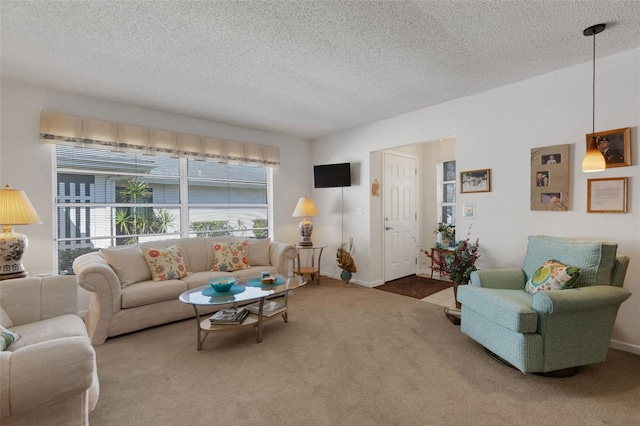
(627, 347)
(372, 284)
(353, 280)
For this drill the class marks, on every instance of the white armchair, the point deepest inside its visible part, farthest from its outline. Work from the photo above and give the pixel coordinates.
(49, 375)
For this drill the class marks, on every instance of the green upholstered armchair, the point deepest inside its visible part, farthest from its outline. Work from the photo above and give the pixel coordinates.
(547, 331)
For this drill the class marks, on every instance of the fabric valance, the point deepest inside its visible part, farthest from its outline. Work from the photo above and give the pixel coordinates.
(65, 129)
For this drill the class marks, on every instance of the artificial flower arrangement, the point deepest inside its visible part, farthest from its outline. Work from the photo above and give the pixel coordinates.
(444, 229)
(446, 235)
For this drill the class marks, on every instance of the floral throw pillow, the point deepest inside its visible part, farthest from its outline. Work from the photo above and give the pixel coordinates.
(552, 275)
(229, 257)
(167, 264)
(7, 337)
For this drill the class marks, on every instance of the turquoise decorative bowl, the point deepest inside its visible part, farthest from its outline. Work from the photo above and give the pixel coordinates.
(222, 284)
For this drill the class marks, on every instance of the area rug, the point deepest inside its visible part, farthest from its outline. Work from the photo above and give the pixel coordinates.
(415, 286)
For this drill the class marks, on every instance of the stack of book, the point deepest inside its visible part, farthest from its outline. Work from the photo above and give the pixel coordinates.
(229, 316)
(269, 309)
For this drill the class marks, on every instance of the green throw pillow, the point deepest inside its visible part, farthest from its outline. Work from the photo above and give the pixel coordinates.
(7, 337)
(552, 275)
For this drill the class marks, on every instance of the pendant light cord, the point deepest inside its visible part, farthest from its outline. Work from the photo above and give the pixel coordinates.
(593, 103)
(593, 160)
(342, 213)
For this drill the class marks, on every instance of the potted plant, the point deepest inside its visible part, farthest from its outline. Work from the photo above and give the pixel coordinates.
(458, 263)
(344, 257)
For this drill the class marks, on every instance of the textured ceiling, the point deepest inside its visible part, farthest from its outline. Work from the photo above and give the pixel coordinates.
(302, 68)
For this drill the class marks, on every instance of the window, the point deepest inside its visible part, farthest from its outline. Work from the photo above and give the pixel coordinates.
(106, 198)
(447, 193)
(227, 199)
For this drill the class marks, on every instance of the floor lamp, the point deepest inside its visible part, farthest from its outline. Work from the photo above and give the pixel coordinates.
(15, 209)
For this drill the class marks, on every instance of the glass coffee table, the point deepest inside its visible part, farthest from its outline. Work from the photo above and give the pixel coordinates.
(244, 292)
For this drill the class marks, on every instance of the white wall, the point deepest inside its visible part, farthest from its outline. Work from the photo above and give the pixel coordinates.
(496, 130)
(28, 165)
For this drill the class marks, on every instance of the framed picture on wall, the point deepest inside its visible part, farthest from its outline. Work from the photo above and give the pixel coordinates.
(615, 146)
(607, 195)
(469, 211)
(550, 178)
(475, 181)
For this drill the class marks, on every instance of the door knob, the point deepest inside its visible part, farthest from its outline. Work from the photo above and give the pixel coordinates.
(386, 228)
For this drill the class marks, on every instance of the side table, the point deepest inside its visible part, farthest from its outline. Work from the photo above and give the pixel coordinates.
(452, 313)
(311, 267)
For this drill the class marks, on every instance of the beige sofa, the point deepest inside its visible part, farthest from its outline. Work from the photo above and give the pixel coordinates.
(49, 375)
(124, 298)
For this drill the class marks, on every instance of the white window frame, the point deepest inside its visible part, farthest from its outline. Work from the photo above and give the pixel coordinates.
(183, 204)
(440, 184)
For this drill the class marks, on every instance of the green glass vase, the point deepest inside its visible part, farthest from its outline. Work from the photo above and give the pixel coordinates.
(345, 276)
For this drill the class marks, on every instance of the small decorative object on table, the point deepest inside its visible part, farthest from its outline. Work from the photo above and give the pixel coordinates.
(268, 280)
(446, 234)
(344, 257)
(458, 264)
(222, 284)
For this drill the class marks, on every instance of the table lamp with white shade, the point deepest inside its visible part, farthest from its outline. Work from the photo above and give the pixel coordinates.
(15, 209)
(305, 208)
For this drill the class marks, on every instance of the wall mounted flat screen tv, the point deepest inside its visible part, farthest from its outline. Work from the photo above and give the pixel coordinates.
(332, 175)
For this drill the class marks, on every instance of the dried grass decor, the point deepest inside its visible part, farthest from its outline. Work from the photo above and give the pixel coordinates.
(344, 256)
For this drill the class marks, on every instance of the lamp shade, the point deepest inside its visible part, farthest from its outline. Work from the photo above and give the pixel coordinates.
(593, 161)
(305, 208)
(15, 208)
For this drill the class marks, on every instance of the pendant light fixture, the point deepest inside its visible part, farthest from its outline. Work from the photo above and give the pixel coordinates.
(593, 160)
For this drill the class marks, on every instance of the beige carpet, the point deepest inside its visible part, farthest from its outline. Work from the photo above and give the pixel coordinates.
(349, 355)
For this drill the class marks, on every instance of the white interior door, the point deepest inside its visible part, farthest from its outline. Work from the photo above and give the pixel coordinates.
(400, 217)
